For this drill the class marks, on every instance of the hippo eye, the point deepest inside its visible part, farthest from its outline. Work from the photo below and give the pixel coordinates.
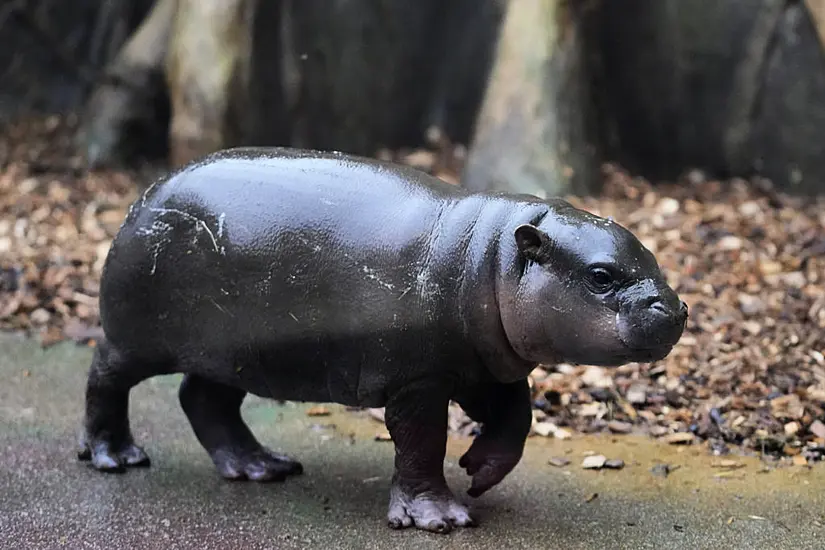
(601, 279)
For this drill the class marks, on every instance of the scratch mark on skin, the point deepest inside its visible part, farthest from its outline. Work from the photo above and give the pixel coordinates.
(221, 219)
(158, 229)
(315, 247)
(148, 189)
(198, 223)
(371, 274)
(425, 286)
(217, 305)
(293, 316)
(262, 287)
(155, 252)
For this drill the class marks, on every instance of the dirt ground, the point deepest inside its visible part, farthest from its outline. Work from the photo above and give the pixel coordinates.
(748, 375)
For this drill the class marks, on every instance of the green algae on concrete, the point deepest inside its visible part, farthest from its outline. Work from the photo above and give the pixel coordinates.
(50, 500)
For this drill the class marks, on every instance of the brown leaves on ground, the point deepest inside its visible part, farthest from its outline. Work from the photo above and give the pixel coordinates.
(750, 263)
(56, 225)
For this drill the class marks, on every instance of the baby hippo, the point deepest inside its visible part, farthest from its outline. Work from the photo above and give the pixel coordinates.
(321, 277)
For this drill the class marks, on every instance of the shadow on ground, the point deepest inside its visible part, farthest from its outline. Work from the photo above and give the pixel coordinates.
(50, 500)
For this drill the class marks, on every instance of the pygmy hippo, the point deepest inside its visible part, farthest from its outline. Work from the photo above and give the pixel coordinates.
(320, 277)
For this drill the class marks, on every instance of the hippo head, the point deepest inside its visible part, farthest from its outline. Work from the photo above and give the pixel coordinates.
(589, 292)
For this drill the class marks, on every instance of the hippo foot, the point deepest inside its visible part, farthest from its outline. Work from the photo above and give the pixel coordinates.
(109, 458)
(259, 465)
(488, 461)
(434, 511)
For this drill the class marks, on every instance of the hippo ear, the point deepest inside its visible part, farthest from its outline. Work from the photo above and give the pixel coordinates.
(533, 243)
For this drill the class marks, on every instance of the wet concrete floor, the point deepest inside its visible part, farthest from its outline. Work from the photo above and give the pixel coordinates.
(50, 500)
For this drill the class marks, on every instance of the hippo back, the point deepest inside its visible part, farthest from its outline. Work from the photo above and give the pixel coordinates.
(268, 250)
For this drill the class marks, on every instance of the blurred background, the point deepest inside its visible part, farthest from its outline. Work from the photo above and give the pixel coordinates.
(698, 124)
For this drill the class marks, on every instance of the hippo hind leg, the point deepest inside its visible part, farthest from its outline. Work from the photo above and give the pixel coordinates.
(107, 439)
(214, 411)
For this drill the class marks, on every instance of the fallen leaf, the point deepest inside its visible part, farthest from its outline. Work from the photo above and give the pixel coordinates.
(562, 433)
(545, 429)
(818, 429)
(619, 427)
(661, 470)
(637, 394)
(728, 474)
(679, 438)
(594, 462)
(614, 464)
(376, 414)
(727, 463)
(787, 406)
(318, 411)
(558, 461)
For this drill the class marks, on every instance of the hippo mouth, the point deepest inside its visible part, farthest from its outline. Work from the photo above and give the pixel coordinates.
(648, 354)
(627, 354)
(649, 345)
(645, 353)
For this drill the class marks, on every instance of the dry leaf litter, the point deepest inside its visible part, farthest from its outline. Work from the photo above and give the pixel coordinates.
(749, 373)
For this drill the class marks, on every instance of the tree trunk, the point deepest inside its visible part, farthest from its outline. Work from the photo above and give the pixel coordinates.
(535, 133)
(353, 76)
(126, 114)
(51, 51)
(734, 87)
(208, 61)
(817, 10)
(366, 69)
(467, 45)
(369, 74)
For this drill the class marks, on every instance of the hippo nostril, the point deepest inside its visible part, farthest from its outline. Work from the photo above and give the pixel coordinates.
(660, 307)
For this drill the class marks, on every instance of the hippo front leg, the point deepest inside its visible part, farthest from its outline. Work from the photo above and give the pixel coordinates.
(505, 410)
(416, 417)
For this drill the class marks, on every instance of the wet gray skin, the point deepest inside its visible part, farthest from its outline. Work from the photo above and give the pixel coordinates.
(321, 277)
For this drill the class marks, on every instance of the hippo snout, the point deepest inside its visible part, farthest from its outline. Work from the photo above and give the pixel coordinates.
(653, 325)
(678, 314)
(667, 323)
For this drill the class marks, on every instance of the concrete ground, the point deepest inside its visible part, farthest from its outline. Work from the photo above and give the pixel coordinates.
(50, 500)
